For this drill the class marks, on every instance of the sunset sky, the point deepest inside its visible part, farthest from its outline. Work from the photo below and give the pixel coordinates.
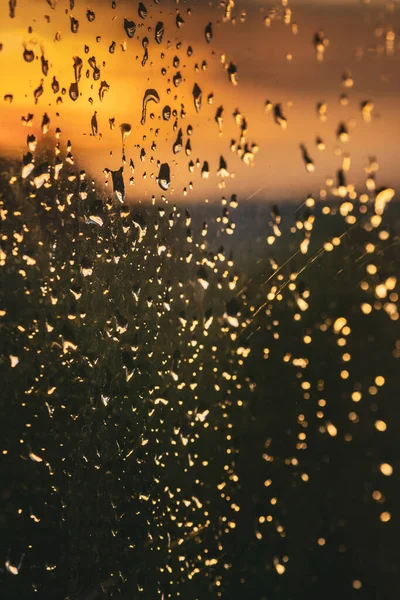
(356, 35)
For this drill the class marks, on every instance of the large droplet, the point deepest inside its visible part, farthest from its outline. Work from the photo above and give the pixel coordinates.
(278, 116)
(77, 68)
(93, 123)
(164, 177)
(177, 79)
(159, 32)
(179, 21)
(177, 147)
(118, 184)
(208, 33)
(126, 129)
(130, 28)
(166, 113)
(55, 86)
(28, 55)
(74, 91)
(45, 65)
(142, 10)
(104, 87)
(38, 92)
(90, 15)
(12, 4)
(150, 95)
(232, 73)
(197, 97)
(74, 25)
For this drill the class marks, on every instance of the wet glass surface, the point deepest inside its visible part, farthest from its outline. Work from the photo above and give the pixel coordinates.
(199, 258)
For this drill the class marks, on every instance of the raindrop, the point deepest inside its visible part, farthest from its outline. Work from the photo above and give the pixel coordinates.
(278, 116)
(166, 113)
(208, 33)
(29, 55)
(159, 32)
(45, 65)
(164, 177)
(205, 170)
(104, 87)
(232, 73)
(38, 92)
(177, 79)
(197, 97)
(142, 10)
(177, 146)
(74, 25)
(93, 124)
(126, 129)
(310, 167)
(12, 4)
(74, 91)
(45, 123)
(130, 28)
(55, 86)
(150, 95)
(77, 68)
(90, 16)
(118, 184)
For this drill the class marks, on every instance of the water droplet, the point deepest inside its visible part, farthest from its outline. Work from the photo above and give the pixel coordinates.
(104, 87)
(38, 92)
(93, 124)
(278, 116)
(177, 146)
(74, 25)
(166, 113)
(197, 97)
(150, 95)
(142, 10)
(159, 32)
(208, 33)
(28, 55)
(130, 28)
(177, 79)
(55, 86)
(164, 177)
(12, 5)
(90, 15)
(179, 21)
(232, 73)
(45, 65)
(118, 184)
(74, 91)
(77, 68)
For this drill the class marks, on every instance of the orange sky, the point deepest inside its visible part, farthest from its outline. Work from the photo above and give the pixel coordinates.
(260, 54)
